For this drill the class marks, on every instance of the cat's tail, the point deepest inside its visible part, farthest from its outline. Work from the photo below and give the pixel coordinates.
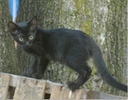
(105, 75)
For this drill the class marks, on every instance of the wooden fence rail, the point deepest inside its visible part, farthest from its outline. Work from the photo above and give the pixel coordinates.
(29, 88)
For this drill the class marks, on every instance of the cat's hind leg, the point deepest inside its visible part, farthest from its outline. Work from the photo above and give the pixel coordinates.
(84, 73)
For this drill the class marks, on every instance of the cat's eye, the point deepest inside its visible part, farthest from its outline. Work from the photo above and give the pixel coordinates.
(30, 37)
(21, 39)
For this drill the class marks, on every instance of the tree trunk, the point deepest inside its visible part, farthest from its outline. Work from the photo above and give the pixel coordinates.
(115, 43)
(94, 17)
(8, 57)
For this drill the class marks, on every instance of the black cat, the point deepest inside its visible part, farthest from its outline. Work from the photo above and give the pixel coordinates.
(70, 47)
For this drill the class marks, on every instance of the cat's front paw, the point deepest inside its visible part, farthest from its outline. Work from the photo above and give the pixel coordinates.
(72, 86)
(27, 74)
(37, 76)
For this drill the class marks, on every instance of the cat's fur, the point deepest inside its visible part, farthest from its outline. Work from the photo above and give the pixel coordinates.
(70, 47)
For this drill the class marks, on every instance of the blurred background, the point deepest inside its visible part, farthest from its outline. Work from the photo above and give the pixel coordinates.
(104, 20)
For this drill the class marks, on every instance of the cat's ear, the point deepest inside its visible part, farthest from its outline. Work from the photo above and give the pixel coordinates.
(32, 24)
(12, 27)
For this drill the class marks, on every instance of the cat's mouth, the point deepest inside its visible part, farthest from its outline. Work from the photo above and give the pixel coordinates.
(28, 46)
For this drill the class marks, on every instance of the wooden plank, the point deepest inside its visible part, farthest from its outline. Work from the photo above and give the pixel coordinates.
(49, 85)
(65, 93)
(78, 94)
(14, 79)
(4, 85)
(29, 89)
(62, 92)
(55, 92)
(100, 95)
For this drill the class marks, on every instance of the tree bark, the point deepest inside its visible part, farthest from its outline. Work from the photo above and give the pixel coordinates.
(8, 56)
(115, 43)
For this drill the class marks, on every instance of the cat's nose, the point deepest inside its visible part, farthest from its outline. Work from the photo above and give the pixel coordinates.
(27, 44)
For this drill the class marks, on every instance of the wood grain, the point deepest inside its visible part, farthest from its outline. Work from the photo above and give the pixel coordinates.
(4, 85)
(29, 89)
(62, 92)
(55, 92)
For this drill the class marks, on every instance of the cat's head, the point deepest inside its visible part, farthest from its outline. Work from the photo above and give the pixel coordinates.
(25, 32)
